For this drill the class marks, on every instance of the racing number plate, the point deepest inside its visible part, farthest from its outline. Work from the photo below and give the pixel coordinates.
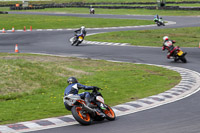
(180, 53)
(80, 37)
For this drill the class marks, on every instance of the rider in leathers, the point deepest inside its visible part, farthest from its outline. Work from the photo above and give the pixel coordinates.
(79, 32)
(168, 44)
(74, 87)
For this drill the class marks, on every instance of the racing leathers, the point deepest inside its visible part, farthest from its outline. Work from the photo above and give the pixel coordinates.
(81, 32)
(156, 18)
(168, 44)
(73, 89)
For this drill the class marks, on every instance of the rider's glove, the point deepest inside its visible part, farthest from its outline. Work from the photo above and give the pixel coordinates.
(95, 87)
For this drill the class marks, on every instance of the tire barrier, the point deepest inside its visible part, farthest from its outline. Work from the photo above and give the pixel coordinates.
(26, 8)
(2, 12)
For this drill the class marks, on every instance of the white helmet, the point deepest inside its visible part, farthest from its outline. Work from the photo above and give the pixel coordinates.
(165, 38)
(82, 27)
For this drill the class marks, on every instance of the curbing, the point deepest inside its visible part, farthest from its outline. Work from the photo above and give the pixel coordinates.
(185, 88)
(188, 86)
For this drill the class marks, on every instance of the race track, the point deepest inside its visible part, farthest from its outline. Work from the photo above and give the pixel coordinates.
(178, 117)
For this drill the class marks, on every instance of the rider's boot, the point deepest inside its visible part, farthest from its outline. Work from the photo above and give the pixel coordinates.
(88, 103)
(100, 113)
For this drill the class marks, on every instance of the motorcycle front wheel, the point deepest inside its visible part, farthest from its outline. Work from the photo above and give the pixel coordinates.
(110, 114)
(81, 116)
(72, 40)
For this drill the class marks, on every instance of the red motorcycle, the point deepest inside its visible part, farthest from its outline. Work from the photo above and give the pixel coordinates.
(178, 54)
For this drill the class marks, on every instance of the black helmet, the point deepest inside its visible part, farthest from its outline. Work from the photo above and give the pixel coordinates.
(72, 80)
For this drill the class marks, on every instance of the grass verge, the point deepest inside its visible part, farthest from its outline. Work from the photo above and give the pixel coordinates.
(55, 22)
(185, 37)
(32, 86)
(118, 11)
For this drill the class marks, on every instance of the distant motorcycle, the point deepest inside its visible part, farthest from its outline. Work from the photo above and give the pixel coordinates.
(159, 22)
(92, 11)
(77, 39)
(179, 55)
(83, 114)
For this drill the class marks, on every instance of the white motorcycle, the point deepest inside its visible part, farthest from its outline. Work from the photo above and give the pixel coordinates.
(85, 115)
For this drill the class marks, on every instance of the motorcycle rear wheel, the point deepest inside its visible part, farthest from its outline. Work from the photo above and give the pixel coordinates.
(78, 42)
(183, 59)
(110, 114)
(77, 113)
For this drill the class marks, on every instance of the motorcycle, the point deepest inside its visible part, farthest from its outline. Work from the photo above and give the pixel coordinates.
(77, 39)
(159, 22)
(92, 11)
(85, 115)
(179, 55)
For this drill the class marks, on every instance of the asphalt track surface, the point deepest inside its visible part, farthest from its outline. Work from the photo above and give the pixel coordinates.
(179, 117)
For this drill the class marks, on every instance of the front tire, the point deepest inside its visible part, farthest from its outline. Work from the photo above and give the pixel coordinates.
(110, 114)
(82, 118)
(73, 41)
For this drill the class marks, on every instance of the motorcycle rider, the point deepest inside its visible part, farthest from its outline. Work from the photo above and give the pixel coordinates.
(156, 18)
(80, 31)
(168, 44)
(74, 87)
(91, 9)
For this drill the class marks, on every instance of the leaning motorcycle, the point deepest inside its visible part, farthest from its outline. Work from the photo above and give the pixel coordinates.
(85, 115)
(179, 55)
(77, 39)
(160, 23)
(92, 11)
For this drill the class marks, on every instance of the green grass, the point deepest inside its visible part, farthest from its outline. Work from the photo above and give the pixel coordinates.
(55, 22)
(185, 37)
(190, 5)
(116, 11)
(32, 86)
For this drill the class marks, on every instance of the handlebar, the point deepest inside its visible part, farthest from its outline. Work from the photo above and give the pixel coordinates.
(96, 89)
